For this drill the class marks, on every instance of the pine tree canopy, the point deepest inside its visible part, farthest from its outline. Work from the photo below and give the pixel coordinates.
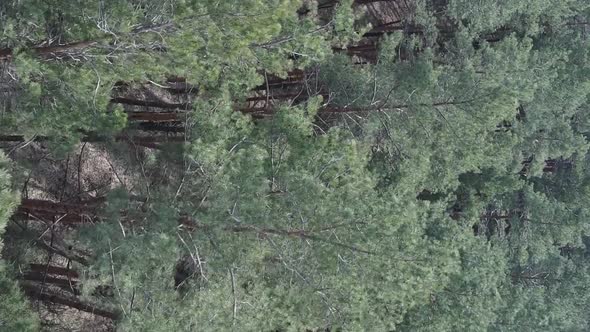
(295, 165)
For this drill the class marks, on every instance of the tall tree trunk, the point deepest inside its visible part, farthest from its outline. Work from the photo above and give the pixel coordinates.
(164, 127)
(58, 276)
(37, 205)
(155, 117)
(67, 284)
(36, 292)
(149, 103)
(8, 53)
(72, 256)
(52, 269)
(153, 141)
(333, 3)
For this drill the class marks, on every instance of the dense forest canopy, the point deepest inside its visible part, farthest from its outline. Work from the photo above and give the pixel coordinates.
(295, 165)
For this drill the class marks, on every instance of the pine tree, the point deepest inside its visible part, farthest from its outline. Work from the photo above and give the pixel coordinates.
(15, 312)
